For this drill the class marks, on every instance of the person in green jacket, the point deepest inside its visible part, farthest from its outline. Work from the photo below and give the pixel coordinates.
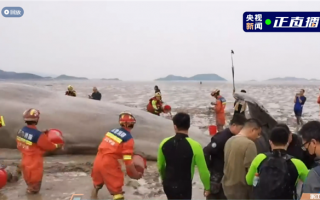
(274, 175)
(177, 157)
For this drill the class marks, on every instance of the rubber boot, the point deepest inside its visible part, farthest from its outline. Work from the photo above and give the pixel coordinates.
(118, 197)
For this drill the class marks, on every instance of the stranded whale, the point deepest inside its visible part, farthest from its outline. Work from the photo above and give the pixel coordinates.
(83, 122)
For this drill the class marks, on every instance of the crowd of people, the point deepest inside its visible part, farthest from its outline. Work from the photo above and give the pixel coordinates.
(235, 168)
(230, 166)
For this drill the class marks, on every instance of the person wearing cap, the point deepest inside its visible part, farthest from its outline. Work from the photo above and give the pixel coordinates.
(96, 95)
(220, 105)
(155, 104)
(71, 92)
(240, 106)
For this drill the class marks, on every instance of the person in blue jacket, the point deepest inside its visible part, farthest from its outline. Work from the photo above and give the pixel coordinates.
(299, 101)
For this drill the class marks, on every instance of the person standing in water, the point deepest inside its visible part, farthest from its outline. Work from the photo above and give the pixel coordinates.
(71, 92)
(299, 101)
(156, 89)
(220, 105)
(96, 95)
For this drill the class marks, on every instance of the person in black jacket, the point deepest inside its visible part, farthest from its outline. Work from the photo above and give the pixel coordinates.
(156, 89)
(295, 148)
(96, 95)
(214, 154)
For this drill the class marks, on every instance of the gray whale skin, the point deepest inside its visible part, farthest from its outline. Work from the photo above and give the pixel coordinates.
(83, 122)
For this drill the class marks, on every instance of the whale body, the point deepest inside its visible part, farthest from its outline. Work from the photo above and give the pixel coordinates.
(83, 122)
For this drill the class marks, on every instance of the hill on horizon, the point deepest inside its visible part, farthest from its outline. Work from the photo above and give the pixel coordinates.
(31, 76)
(290, 78)
(198, 77)
(110, 79)
(19, 76)
(66, 77)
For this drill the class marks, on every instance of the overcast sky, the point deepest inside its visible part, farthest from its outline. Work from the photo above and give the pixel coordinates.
(147, 40)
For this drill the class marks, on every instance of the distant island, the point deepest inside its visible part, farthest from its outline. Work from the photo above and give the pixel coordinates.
(110, 79)
(14, 75)
(291, 79)
(30, 76)
(198, 77)
(66, 77)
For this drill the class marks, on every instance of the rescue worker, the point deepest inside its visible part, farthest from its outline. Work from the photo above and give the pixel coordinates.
(220, 105)
(2, 121)
(156, 89)
(155, 104)
(71, 91)
(117, 144)
(32, 144)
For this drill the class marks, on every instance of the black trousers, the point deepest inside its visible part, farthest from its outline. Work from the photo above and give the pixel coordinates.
(178, 191)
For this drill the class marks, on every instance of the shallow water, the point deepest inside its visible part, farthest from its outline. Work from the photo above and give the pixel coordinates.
(195, 98)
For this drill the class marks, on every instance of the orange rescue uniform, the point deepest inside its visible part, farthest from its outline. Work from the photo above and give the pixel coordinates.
(32, 144)
(154, 106)
(219, 110)
(117, 144)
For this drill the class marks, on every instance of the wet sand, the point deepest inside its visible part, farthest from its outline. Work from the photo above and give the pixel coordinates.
(67, 175)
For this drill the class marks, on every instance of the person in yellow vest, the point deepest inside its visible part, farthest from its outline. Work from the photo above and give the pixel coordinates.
(155, 104)
(2, 121)
(71, 91)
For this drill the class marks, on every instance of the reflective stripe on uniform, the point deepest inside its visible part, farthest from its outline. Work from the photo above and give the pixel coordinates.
(154, 105)
(2, 121)
(113, 137)
(127, 157)
(20, 139)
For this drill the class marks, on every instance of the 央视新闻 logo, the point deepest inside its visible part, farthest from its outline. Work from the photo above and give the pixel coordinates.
(281, 21)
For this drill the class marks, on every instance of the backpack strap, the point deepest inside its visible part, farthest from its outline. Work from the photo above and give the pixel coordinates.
(287, 157)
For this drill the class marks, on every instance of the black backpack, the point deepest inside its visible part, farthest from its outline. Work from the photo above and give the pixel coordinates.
(274, 179)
